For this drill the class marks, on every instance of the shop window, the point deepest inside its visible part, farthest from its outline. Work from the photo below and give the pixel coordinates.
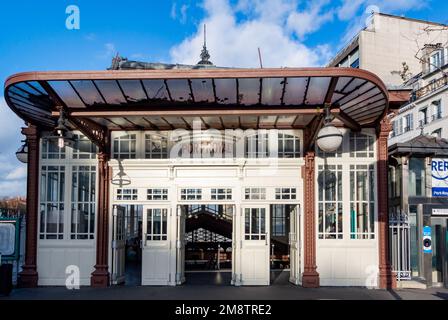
(417, 177)
(255, 223)
(285, 193)
(255, 193)
(125, 146)
(83, 206)
(50, 149)
(156, 226)
(156, 146)
(191, 194)
(221, 194)
(288, 146)
(157, 194)
(52, 186)
(361, 145)
(127, 194)
(330, 202)
(83, 148)
(362, 202)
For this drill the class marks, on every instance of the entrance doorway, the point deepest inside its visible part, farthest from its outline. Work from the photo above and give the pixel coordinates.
(440, 251)
(208, 252)
(127, 244)
(284, 245)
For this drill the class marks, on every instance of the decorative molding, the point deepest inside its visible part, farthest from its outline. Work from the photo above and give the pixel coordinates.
(310, 277)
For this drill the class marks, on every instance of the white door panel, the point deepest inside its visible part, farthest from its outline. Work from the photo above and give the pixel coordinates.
(180, 244)
(255, 245)
(118, 245)
(294, 246)
(156, 249)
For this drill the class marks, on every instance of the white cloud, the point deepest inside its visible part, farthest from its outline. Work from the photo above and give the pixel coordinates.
(310, 19)
(12, 188)
(108, 52)
(12, 173)
(182, 16)
(17, 173)
(233, 41)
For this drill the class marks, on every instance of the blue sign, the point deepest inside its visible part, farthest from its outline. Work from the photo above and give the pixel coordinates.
(439, 172)
(427, 241)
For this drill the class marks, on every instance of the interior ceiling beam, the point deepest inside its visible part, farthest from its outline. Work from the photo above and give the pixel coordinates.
(346, 120)
(191, 113)
(330, 91)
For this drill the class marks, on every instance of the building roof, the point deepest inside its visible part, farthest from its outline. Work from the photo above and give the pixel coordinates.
(168, 99)
(421, 145)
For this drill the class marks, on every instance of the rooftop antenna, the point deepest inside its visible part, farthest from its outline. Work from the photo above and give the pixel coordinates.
(205, 56)
(259, 58)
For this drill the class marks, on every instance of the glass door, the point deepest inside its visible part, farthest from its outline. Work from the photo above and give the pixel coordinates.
(439, 253)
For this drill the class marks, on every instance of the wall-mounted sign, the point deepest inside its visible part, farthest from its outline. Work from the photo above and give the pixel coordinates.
(439, 172)
(440, 211)
(427, 241)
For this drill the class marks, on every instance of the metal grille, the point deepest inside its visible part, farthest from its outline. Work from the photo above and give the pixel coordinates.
(399, 241)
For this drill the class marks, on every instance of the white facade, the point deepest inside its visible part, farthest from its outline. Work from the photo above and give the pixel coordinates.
(386, 43)
(346, 209)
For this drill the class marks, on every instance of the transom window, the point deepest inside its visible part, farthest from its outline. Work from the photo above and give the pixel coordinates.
(221, 194)
(361, 145)
(191, 194)
(52, 186)
(255, 223)
(330, 201)
(83, 148)
(156, 226)
(157, 194)
(285, 193)
(288, 146)
(257, 146)
(156, 146)
(362, 202)
(255, 193)
(127, 194)
(125, 146)
(83, 202)
(50, 149)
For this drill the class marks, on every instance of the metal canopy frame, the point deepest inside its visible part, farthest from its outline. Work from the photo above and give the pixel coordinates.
(98, 101)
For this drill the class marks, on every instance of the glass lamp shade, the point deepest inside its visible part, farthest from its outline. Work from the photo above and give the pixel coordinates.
(22, 154)
(329, 138)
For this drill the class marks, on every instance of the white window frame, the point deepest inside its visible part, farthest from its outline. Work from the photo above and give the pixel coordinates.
(221, 194)
(289, 192)
(152, 193)
(191, 194)
(122, 194)
(254, 193)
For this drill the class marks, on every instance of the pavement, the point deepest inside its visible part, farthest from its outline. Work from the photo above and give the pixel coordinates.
(214, 286)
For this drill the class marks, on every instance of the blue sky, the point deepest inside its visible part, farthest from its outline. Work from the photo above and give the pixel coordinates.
(33, 36)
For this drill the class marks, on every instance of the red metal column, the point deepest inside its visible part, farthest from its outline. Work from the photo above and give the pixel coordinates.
(386, 277)
(28, 277)
(310, 277)
(100, 277)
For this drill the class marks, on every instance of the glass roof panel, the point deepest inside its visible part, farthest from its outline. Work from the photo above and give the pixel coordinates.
(294, 91)
(31, 96)
(133, 89)
(88, 92)
(179, 90)
(226, 91)
(317, 90)
(272, 91)
(249, 91)
(156, 90)
(267, 120)
(65, 91)
(31, 89)
(355, 83)
(110, 91)
(285, 120)
(342, 82)
(203, 90)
